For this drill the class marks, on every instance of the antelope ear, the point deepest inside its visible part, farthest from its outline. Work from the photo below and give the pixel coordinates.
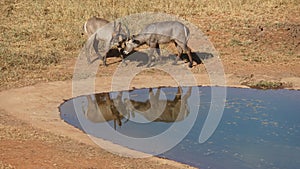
(118, 27)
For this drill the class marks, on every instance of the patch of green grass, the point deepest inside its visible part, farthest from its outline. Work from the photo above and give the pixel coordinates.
(269, 85)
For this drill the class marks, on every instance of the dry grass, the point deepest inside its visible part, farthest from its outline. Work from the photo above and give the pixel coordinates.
(39, 38)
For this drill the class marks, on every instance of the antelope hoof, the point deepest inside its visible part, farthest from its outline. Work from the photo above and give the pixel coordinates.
(149, 65)
(104, 63)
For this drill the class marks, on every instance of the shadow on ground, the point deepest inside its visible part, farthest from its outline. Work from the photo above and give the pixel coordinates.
(143, 58)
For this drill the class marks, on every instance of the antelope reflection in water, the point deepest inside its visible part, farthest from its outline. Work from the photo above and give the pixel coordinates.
(105, 108)
(102, 109)
(163, 110)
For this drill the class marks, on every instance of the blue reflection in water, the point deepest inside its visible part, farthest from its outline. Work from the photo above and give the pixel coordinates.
(259, 128)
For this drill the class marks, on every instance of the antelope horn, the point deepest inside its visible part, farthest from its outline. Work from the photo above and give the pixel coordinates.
(128, 32)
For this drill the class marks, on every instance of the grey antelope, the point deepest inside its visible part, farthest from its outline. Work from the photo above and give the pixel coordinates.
(158, 33)
(107, 34)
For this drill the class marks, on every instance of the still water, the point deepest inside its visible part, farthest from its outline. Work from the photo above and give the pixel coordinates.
(258, 128)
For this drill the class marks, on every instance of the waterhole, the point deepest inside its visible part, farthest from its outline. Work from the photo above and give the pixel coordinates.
(258, 129)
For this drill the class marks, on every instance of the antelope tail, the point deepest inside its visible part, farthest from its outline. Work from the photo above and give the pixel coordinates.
(186, 32)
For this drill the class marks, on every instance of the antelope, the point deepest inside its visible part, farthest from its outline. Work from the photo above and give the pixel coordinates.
(109, 34)
(158, 33)
(103, 109)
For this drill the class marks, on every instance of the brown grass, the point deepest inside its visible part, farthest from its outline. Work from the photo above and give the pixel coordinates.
(40, 39)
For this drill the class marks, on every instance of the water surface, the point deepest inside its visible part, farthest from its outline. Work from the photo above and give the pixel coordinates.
(258, 129)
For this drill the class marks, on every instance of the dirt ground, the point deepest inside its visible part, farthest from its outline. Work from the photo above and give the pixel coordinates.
(32, 135)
